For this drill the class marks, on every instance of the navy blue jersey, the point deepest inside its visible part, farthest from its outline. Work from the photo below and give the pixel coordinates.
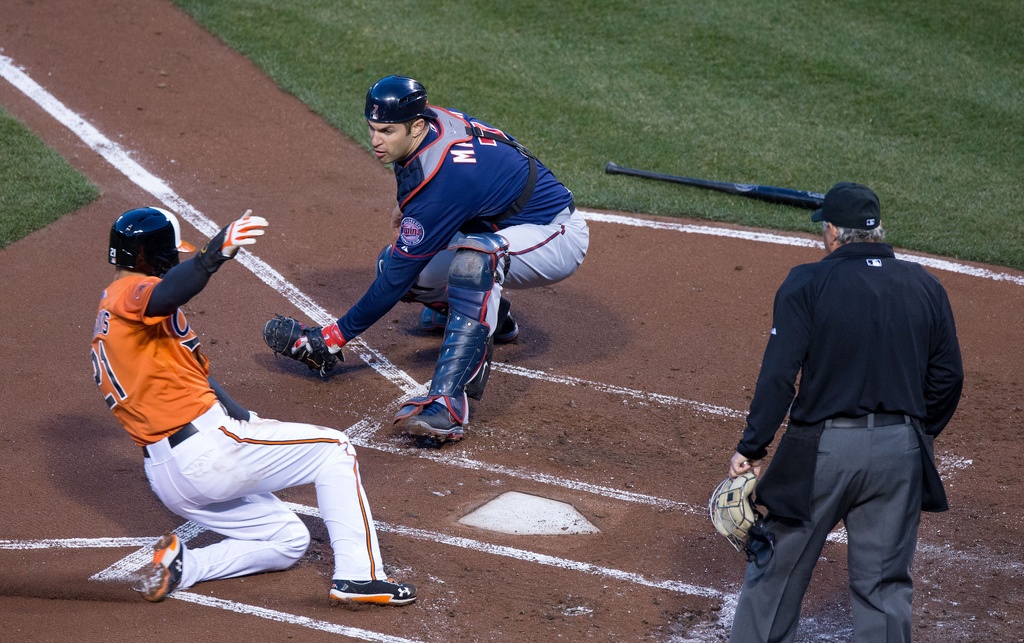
(453, 182)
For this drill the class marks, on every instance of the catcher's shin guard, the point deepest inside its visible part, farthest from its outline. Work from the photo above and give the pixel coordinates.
(464, 362)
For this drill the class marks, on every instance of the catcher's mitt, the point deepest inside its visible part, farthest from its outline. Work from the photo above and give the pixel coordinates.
(734, 516)
(294, 339)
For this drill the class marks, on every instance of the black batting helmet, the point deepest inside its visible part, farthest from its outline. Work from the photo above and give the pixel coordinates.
(396, 99)
(147, 240)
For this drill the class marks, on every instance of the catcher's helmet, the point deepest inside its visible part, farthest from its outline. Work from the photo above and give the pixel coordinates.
(396, 99)
(147, 240)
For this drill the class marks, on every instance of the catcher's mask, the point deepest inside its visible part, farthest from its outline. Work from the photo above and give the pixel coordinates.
(147, 240)
(734, 515)
(396, 99)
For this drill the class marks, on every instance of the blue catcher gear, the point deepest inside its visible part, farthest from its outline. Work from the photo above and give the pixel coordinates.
(464, 364)
(147, 240)
(396, 99)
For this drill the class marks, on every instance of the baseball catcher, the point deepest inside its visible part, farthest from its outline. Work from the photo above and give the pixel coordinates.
(291, 338)
(734, 515)
(476, 214)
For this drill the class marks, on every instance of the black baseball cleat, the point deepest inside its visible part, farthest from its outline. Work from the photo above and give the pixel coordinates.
(434, 421)
(379, 592)
(508, 329)
(507, 332)
(164, 575)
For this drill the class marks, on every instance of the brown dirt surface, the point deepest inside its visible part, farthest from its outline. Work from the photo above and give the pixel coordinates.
(600, 403)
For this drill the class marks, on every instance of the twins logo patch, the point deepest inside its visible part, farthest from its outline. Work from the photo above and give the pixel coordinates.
(410, 233)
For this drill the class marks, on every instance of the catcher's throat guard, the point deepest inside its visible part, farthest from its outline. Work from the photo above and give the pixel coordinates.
(734, 515)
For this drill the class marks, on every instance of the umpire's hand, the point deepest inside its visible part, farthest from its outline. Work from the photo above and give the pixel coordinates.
(740, 465)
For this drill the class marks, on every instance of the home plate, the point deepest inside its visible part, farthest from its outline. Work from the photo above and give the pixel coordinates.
(521, 513)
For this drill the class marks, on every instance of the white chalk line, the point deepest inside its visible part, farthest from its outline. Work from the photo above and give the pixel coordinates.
(129, 565)
(118, 158)
(529, 556)
(657, 398)
(125, 568)
(786, 240)
(76, 543)
(291, 619)
(361, 432)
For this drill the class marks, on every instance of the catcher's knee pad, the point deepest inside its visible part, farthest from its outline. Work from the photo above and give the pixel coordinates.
(481, 260)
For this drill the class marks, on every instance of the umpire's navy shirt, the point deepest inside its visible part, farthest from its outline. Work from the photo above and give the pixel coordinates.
(867, 333)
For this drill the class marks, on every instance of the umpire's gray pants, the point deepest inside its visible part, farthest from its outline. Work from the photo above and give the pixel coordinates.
(871, 480)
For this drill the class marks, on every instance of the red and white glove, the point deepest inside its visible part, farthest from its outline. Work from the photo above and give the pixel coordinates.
(242, 232)
(331, 337)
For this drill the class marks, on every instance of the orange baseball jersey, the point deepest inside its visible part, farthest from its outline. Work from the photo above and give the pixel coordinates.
(149, 369)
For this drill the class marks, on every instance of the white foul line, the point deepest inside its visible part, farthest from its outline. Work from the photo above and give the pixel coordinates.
(786, 240)
(361, 432)
(291, 619)
(529, 556)
(618, 390)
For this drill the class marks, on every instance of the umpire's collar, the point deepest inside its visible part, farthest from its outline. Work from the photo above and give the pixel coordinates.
(861, 249)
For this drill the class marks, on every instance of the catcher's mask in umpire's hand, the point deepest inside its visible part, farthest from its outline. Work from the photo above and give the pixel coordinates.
(733, 514)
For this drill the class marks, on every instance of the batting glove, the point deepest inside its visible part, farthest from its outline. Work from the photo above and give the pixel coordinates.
(226, 243)
(242, 232)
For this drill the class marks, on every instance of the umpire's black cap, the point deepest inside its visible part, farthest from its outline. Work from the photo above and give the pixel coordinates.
(850, 205)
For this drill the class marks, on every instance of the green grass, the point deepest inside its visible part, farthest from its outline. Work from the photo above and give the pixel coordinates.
(921, 100)
(37, 186)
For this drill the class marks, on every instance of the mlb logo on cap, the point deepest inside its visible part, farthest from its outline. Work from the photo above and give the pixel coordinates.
(850, 205)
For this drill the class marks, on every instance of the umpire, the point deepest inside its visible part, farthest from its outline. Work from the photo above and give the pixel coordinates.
(873, 340)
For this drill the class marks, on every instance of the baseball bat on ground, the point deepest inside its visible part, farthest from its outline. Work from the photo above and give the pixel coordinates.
(770, 193)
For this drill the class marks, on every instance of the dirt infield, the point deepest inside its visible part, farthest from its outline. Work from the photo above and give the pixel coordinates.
(624, 395)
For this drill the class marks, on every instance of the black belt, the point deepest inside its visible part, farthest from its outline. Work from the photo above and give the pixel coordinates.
(868, 421)
(177, 437)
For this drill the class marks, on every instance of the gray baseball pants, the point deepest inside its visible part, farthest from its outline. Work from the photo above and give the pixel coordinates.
(871, 480)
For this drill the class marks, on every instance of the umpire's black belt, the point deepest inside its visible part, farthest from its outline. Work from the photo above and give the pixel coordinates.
(177, 437)
(868, 421)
